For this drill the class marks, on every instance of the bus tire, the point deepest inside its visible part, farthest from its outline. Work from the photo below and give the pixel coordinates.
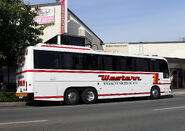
(89, 96)
(71, 97)
(155, 93)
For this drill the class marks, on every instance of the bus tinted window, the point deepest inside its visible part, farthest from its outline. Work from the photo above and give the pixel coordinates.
(154, 65)
(142, 64)
(100, 62)
(107, 62)
(66, 60)
(91, 61)
(116, 63)
(94, 62)
(80, 61)
(123, 63)
(130, 64)
(46, 60)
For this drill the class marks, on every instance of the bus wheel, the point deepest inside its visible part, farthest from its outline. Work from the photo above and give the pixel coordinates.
(89, 96)
(71, 97)
(155, 93)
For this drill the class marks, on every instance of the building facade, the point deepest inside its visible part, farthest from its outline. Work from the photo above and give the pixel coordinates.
(76, 32)
(173, 51)
(63, 27)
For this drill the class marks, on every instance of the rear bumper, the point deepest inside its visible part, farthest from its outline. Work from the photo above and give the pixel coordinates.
(166, 92)
(25, 96)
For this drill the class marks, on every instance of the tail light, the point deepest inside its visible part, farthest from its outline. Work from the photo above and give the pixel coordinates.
(22, 83)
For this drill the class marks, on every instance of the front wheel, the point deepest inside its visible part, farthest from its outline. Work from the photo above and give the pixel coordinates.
(89, 96)
(155, 93)
(71, 97)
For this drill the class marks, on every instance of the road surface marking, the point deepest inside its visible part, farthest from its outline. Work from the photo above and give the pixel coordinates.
(23, 122)
(170, 108)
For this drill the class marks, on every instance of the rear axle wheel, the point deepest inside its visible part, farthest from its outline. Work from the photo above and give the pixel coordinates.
(71, 97)
(89, 96)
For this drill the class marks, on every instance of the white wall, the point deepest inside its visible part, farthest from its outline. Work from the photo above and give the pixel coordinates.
(169, 50)
(77, 28)
(172, 50)
(54, 29)
(116, 48)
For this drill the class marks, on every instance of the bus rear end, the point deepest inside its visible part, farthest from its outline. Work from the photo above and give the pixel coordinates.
(23, 77)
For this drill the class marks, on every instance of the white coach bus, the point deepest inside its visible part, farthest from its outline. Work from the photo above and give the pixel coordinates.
(71, 73)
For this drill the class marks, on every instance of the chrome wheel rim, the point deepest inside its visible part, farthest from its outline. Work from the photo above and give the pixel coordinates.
(90, 96)
(72, 96)
(155, 92)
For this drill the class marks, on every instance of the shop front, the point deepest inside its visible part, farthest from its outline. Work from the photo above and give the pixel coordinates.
(178, 78)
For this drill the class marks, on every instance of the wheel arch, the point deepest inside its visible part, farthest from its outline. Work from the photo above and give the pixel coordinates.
(155, 86)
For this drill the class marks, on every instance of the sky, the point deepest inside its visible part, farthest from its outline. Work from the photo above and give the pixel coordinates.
(130, 20)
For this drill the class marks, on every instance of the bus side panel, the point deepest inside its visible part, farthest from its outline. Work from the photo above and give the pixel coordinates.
(131, 85)
(114, 87)
(77, 80)
(44, 86)
(144, 85)
(45, 91)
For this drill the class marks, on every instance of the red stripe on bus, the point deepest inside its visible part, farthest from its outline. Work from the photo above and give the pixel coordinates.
(47, 97)
(65, 47)
(122, 94)
(163, 84)
(93, 72)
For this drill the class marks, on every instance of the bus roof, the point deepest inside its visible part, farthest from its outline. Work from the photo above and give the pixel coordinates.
(81, 49)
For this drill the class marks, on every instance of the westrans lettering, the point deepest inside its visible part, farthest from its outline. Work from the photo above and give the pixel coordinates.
(118, 78)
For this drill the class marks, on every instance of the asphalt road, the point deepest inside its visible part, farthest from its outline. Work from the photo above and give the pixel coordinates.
(166, 114)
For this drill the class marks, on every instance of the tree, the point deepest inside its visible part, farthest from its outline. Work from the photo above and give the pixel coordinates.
(17, 30)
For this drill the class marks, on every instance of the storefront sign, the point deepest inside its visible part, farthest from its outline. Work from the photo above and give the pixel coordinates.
(46, 15)
(64, 16)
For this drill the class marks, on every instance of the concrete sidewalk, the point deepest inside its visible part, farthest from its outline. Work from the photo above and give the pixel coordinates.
(178, 91)
(12, 104)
